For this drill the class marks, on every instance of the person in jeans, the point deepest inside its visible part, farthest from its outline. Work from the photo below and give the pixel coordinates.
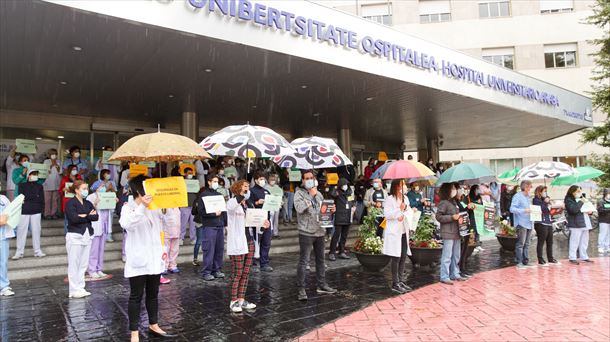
(343, 219)
(603, 209)
(520, 208)
(544, 229)
(579, 232)
(448, 215)
(308, 203)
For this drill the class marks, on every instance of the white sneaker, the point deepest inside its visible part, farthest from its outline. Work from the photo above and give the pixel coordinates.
(40, 255)
(80, 294)
(235, 307)
(247, 305)
(124, 259)
(181, 242)
(601, 251)
(17, 256)
(7, 291)
(94, 275)
(102, 274)
(521, 266)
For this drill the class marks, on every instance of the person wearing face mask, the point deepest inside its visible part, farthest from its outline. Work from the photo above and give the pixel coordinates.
(213, 233)
(376, 194)
(113, 169)
(465, 236)
(6, 233)
(494, 188)
(222, 189)
(415, 198)
(80, 213)
(579, 233)
(274, 216)
(520, 207)
(506, 198)
(82, 166)
(31, 213)
(70, 176)
(343, 219)
(308, 204)
(257, 199)
(603, 210)
(11, 162)
(186, 217)
(51, 185)
(448, 215)
(107, 184)
(474, 198)
(20, 174)
(100, 231)
(544, 228)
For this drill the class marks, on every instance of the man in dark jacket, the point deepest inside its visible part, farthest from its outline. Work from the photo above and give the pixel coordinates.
(343, 219)
(257, 200)
(213, 232)
(31, 214)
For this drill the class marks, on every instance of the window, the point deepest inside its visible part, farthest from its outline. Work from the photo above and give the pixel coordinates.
(494, 9)
(502, 165)
(379, 13)
(560, 56)
(556, 6)
(502, 56)
(573, 161)
(434, 11)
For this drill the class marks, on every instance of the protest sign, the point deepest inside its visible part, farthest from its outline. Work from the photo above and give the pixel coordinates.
(25, 146)
(192, 186)
(43, 170)
(106, 200)
(214, 204)
(167, 192)
(256, 217)
(137, 169)
(106, 155)
(272, 203)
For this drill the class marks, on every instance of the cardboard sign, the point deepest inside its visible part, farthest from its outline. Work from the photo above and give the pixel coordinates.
(137, 169)
(167, 192)
(25, 146)
(272, 203)
(106, 200)
(68, 194)
(187, 166)
(256, 217)
(294, 175)
(106, 155)
(13, 211)
(214, 204)
(332, 178)
(43, 170)
(192, 186)
(149, 164)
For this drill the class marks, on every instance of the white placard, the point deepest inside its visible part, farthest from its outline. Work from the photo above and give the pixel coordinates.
(535, 213)
(256, 217)
(214, 204)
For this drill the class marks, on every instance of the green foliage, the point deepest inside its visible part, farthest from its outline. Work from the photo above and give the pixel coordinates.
(601, 76)
(425, 229)
(601, 162)
(368, 242)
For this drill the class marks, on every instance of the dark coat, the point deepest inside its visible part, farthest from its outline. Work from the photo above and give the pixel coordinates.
(450, 229)
(575, 218)
(343, 215)
(77, 224)
(546, 210)
(202, 216)
(603, 208)
(34, 198)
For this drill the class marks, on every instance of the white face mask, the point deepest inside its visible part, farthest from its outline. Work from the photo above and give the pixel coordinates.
(53, 156)
(405, 189)
(578, 194)
(107, 176)
(262, 182)
(34, 178)
(189, 176)
(76, 154)
(453, 193)
(309, 184)
(215, 185)
(377, 186)
(460, 192)
(74, 172)
(344, 187)
(272, 183)
(544, 194)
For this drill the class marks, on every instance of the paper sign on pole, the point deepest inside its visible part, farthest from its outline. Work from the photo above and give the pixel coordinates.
(167, 192)
(107, 200)
(256, 217)
(13, 211)
(106, 155)
(272, 203)
(67, 193)
(192, 186)
(43, 170)
(214, 204)
(294, 175)
(137, 169)
(332, 178)
(184, 166)
(25, 146)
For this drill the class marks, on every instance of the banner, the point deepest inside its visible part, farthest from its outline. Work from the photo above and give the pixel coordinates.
(106, 155)
(272, 203)
(479, 220)
(294, 175)
(184, 166)
(13, 211)
(25, 146)
(106, 200)
(167, 192)
(325, 216)
(230, 172)
(192, 186)
(490, 216)
(43, 170)
(332, 178)
(137, 169)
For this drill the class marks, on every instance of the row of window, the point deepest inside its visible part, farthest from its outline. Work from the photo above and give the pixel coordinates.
(555, 56)
(436, 11)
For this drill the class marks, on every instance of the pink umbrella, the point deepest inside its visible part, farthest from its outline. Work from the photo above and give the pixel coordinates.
(408, 169)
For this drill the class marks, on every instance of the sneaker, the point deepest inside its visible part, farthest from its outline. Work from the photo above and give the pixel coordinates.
(554, 262)
(109, 239)
(208, 277)
(124, 259)
(405, 287)
(246, 305)
(7, 291)
(344, 256)
(94, 275)
(79, 294)
(521, 266)
(459, 279)
(87, 293)
(332, 257)
(235, 307)
(447, 282)
(174, 270)
(218, 275)
(302, 294)
(102, 274)
(398, 289)
(255, 269)
(465, 275)
(267, 269)
(40, 255)
(17, 256)
(588, 261)
(308, 267)
(164, 280)
(193, 242)
(195, 262)
(574, 262)
(325, 289)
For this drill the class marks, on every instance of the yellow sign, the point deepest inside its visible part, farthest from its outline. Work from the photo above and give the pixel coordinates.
(137, 169)
(382, 156)
(187, 166)
(332, 178)
(167, 192)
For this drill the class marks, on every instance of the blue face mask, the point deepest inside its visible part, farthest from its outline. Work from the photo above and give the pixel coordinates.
(247, 195)
(84, 193)
(102, 189)
(309, 184)
(26, 164)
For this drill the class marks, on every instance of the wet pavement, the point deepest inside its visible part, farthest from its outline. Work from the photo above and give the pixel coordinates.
(198, 310)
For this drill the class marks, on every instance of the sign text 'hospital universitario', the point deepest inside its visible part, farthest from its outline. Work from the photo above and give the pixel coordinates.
(314, 29)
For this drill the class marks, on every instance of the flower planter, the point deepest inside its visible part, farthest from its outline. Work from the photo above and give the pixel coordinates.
(507, 242)
(421, 256)
(372, 262)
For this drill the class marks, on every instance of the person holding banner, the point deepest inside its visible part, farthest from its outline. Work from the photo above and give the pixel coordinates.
(6, 233)
(257, 199)
(213, 221)
(101, 229)
(31, 215)
(448, 215)
(80, 213)
(21, 175)
(71, 175)
(544, 228)
(51, 185)
(579, 232)
(82, 166)
(520, 208)
(144, 258)
(474, 198)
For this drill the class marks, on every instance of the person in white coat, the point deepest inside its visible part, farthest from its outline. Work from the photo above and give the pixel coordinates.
(6, 233)
(51, 185)
(396, 233)
(144, 252)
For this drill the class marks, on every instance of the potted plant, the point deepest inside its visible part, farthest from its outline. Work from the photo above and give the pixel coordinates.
(368, 247)
(425, 248)
(507, 237)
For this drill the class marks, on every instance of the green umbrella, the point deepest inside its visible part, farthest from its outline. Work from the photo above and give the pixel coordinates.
(508, 177)
(467, 172)
(581, 174)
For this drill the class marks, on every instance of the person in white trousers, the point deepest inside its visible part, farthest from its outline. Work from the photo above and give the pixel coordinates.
(80, 213)
(274, 216)
(603, 209)
(31, 214)
(579, 225)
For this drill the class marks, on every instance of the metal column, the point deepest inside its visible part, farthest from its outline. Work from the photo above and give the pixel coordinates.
(189, 126)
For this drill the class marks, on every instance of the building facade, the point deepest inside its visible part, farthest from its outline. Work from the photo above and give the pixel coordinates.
(545, 39)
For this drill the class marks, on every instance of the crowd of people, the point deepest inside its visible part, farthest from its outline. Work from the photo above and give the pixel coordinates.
(153, 239)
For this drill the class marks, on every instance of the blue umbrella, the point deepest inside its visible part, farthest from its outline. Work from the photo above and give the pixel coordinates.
(381, 170)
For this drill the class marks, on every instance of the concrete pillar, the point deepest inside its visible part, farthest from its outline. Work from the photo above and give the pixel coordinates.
(345, 142)
(189, 127)
(430, 150)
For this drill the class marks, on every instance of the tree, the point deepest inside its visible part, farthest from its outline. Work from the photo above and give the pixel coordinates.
(601, 76)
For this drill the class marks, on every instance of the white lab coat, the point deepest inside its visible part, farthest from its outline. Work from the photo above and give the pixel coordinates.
(237, 243)
(392, 235)
(201, 172)
(143, 248)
